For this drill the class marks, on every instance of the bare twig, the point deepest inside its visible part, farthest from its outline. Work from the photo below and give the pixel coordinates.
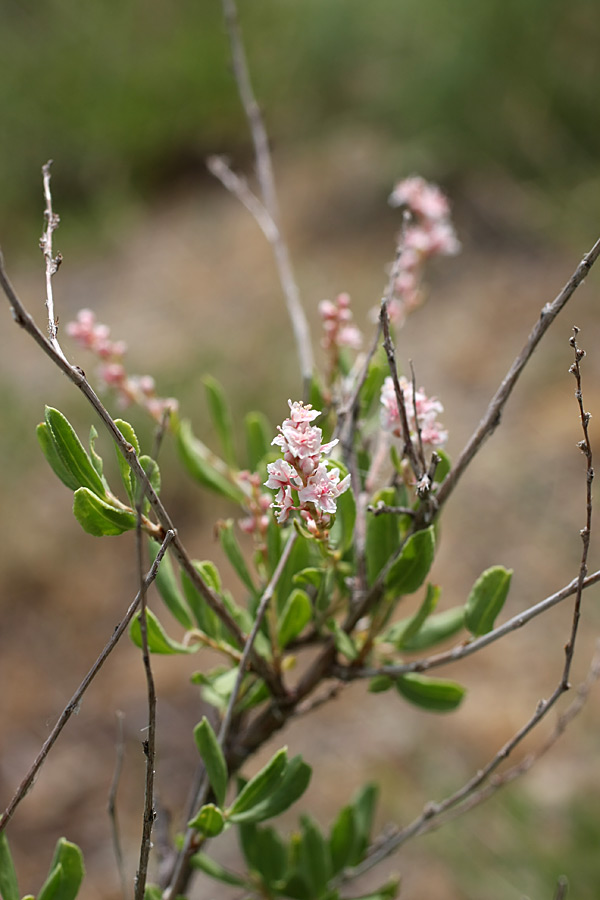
(149, 743)
(266, 180)
(348, 673)
(382, 508)
(181, 870)
(74, 703)
(112, 803)
(408, 449)
(52, 262)
(493, 413)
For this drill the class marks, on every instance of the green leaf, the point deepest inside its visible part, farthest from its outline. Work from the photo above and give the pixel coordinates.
(342, 532)
(296, 614)
(127, 475)
(98, 517)
(212, 756)
(259, 434)
(300, 558)
(234, 554)
(343, 840)
(168, 588)
(411, 568)
(248, 838)
(383, 536)
(486, 599)
(150, 467)
(204, 466)
(9, 888)
(380, 683)
(310, 575)
(261, 786)
(293, 784)
(364, 810)
(221, 417)
(217, 685)
(388, 891)
(437, 628)
(53, 457)
(67, 457)
(210, 820)
(371, 389)
(270, 856)
(152, 892)
(206, 618)
(435, 694)
(66, 873)
(402, 633)
(343, 641)
(97, 461)
(158, 639)
(443, 466)
(212, 868)
(315, 860)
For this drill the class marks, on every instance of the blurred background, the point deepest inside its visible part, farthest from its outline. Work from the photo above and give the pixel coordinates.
(495, 101)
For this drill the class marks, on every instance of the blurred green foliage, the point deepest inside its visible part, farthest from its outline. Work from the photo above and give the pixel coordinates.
(127, 95)
(524, 848)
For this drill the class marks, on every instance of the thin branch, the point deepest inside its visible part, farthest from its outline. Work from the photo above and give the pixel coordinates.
(266, 180)
(476, 789)
(262, 153)
(563, 721)
(74, 703)
(348, 673)
(408, 449)
(493, 413)
(77, 376)
(52, 262)
(181, 870)
(238, 186)
(436, 815)
(382, 508)
(112, 803)
(149, 743)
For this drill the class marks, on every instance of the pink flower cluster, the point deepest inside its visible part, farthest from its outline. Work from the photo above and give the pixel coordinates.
(340, 330)
(429, 233)
(303, 474)
(433, 434)
(138, 389)
(257, 504)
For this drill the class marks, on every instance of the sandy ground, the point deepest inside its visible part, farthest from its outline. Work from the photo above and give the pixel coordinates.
(191, 288)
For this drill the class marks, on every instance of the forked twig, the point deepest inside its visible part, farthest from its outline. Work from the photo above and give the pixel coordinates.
(75, 701)
(479, 787)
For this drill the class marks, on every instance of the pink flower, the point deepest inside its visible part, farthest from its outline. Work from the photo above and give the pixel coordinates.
(339, 330)
(433, 433)
(138, 389)
(424, 198)
(427, 233)
(323, 488)
(302, 472)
